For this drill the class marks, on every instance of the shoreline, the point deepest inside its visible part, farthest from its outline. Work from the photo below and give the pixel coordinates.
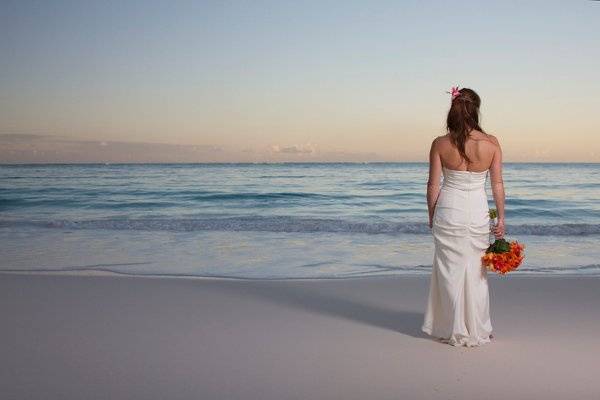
(102, 273)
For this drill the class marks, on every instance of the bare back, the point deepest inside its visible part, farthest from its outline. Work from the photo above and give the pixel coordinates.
(480, 149)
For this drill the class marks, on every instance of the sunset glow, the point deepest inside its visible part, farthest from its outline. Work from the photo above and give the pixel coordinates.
(282, 81)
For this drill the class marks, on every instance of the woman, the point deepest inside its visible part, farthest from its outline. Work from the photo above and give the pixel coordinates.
(458, 304)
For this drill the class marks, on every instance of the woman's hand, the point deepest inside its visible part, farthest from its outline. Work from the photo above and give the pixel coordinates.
(499, 229)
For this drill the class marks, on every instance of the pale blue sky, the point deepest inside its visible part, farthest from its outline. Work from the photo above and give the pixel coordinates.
(350, 77)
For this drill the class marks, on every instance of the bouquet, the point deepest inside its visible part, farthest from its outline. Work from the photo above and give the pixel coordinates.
(502, 256)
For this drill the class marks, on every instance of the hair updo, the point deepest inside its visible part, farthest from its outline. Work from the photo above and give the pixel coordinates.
(463, 117)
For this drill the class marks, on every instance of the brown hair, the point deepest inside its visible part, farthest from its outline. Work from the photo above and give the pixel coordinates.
(463, 116)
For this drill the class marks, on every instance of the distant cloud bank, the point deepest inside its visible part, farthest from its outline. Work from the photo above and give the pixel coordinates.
(34, 148)
(295, 149)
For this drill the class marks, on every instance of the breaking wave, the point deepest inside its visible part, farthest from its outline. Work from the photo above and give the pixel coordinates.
(287, 224)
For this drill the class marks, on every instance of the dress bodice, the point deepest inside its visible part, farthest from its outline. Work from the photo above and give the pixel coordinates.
(464, 180)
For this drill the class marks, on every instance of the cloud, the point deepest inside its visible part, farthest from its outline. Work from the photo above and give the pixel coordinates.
(23, 137)
(307, 148)
(31, 148)
(23, 148)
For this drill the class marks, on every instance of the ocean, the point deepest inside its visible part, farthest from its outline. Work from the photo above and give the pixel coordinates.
(275, 221)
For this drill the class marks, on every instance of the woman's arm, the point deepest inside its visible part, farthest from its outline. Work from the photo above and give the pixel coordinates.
(433, 184)
(497, 184)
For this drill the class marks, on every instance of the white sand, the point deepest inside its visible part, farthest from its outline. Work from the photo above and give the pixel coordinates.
(106, 337)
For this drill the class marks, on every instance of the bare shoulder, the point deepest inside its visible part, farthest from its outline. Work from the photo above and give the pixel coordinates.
(440, 140)
(486, 140)
(493, 139)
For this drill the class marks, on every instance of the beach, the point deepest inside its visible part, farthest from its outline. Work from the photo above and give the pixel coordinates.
(100, 336)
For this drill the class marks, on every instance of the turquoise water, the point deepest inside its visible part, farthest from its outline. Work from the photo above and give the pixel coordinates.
(274, 220)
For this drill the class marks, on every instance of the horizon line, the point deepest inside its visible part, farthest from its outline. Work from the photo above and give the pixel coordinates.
(274, 163)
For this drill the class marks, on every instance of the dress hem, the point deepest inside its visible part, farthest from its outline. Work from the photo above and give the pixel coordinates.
(463, 341)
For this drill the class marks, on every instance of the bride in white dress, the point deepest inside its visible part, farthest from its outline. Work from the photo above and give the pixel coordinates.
(458, 306)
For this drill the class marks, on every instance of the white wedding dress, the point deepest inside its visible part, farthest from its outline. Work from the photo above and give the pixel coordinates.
(458, 306)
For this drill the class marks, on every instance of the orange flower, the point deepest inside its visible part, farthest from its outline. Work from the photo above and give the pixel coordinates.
(503, 263)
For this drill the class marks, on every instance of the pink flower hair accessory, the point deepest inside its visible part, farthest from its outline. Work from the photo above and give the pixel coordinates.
(454, 92)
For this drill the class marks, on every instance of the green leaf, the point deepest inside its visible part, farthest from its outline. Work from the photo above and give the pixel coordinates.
(499, 246)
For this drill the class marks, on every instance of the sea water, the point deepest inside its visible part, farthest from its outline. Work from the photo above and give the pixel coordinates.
(290, 220)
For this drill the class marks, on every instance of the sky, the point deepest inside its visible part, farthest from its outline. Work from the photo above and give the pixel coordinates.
(275, 81)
